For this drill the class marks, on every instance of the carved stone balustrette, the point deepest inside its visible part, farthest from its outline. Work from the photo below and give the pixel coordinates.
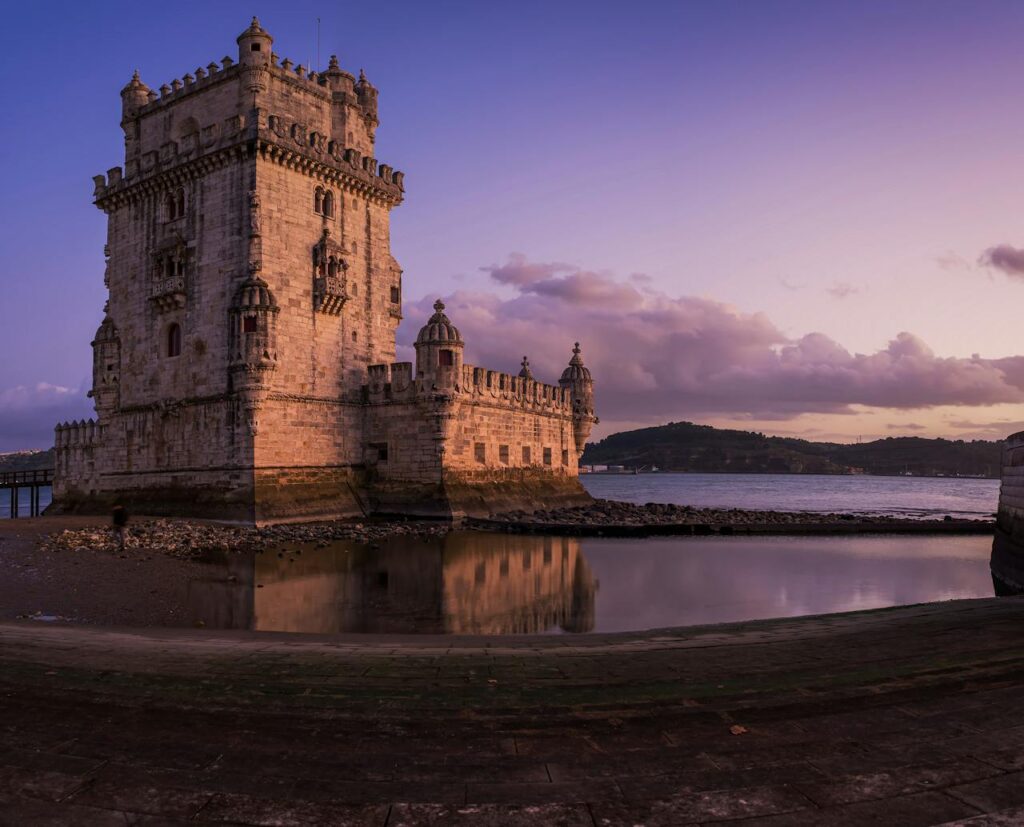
(330, 287)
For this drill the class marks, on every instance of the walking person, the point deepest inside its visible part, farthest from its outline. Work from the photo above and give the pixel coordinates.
(120, 520)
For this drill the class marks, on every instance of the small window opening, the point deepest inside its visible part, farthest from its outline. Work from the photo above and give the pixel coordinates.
(547, 456)
(445, 358)
(480, 452)
(179, 201)
(382, 579)
(255, 47)
(526, 455)
(565, 457)
(396, 295)
(503, 454)
(249, 324)
(382, 450)
(329, 204)
(318, 200)
(355, 336)
(174, 340)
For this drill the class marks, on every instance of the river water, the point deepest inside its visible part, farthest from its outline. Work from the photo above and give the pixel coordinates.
(914, 497)
(482, 583)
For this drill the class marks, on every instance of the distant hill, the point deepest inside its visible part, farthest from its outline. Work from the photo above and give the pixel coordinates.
(26, 460)
(684, 446)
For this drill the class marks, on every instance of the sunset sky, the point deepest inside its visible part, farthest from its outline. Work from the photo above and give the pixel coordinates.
(796, 217)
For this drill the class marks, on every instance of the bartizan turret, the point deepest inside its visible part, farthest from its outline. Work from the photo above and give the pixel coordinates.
(576, 378)
(439, 348)
(106, 369)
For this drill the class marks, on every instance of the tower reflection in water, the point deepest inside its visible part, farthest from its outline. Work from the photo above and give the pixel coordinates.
(464, 583)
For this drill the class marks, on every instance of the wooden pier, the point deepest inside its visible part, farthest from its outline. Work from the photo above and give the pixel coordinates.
(32, 480)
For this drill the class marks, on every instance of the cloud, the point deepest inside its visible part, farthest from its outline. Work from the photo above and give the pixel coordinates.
(951, 262)
(28, 413)
(1004, 258)
(791, 285)
(842, 290)
(908, 426)
(656, 356)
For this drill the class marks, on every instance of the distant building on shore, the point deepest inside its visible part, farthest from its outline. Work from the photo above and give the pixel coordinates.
(244, 368)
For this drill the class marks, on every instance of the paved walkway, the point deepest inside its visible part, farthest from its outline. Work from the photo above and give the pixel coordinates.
(905, 716)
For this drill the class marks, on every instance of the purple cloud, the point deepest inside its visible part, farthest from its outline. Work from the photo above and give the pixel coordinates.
(1005, 258)
(842, 290)
(656, 356)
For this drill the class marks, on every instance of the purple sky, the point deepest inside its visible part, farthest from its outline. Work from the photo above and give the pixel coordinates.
(803, 218)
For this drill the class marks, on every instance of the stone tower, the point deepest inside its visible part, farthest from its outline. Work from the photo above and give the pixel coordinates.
(241, 365)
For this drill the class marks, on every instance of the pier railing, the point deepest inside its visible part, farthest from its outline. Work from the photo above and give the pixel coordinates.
(34, 480)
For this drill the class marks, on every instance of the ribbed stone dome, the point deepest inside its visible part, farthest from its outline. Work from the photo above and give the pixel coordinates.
(254, 294)
(576, 370)
(439, 330)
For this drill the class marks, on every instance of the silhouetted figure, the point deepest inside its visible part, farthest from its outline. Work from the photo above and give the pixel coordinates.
(120, 521)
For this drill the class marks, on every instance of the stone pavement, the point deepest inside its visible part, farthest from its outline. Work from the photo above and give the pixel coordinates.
(904, 716)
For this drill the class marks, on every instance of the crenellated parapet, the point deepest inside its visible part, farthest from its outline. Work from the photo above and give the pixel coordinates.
(289, 143)
(395, 383)
(80, 434)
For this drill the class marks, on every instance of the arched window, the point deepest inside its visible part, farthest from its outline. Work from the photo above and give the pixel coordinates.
(174, 340)
(329, 204)
(174, 204)
(332, 267)
(318, 200)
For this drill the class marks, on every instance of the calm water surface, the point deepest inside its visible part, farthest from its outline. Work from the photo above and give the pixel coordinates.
(45, 496)
(904, 496)
(478, 583)
(916, 497)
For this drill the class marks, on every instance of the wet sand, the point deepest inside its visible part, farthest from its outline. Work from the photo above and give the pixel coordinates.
(89, 586)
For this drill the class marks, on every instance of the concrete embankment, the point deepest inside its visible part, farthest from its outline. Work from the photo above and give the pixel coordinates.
(901, 716)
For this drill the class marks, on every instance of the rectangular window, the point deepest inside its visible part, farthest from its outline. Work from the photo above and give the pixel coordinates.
(249, 324)
(547, 456)
(565, 457)
(503, 454)
(526, 455)
(382, 450)
(396, 296)
(445, 358)
(480, 452)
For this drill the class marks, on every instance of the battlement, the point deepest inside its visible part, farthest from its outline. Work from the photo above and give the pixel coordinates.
(75, 434)
(275, 137)
(395, 383)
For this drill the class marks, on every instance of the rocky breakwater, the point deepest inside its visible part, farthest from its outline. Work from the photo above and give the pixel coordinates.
(191, 540)
(614, 518)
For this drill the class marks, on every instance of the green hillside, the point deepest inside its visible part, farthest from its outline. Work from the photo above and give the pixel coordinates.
(26, 460)
(684, 446)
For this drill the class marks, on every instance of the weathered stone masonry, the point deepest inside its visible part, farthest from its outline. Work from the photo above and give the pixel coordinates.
(244, 368)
